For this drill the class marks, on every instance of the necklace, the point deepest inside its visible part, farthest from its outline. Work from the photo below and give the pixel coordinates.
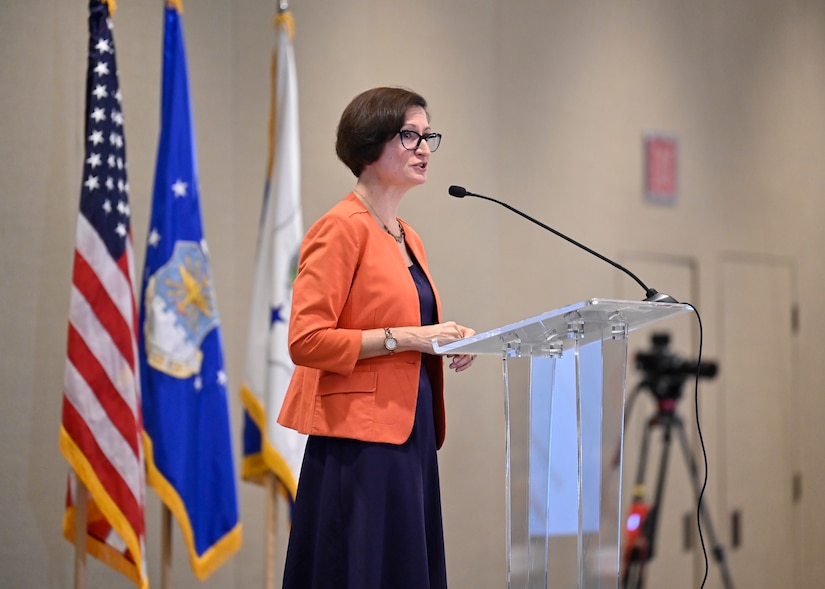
(398, 238)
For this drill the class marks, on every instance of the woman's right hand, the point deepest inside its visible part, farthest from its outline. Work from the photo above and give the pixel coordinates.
(440, 333)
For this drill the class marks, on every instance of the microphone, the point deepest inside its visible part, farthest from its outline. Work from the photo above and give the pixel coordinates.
(651, 294)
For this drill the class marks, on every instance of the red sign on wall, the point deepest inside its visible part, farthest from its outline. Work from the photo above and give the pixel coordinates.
(661, 164)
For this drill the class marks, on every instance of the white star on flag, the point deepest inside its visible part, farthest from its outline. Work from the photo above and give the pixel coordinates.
(179, 188)
(154, 238)
(103, 46)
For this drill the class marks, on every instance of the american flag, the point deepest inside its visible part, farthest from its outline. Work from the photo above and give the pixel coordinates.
(102, 429)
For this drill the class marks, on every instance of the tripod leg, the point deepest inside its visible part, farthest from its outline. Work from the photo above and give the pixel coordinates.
(637, 550)
(653, 517)
(648, 532)
(716, 549)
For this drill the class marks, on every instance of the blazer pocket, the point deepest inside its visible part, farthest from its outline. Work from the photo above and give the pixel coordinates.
(357, 382)
(345, 406)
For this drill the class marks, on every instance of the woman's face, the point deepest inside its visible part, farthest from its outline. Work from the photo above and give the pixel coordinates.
(401, 167)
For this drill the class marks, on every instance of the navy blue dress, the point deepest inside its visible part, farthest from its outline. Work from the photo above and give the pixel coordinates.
(368, 515)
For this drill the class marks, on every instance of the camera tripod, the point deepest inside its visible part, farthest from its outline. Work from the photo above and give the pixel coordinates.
(641, 540)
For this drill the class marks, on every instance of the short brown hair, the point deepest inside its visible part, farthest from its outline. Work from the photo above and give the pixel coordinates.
(370, 120)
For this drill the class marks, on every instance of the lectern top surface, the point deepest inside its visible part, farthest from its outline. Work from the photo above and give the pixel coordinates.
(554, 331)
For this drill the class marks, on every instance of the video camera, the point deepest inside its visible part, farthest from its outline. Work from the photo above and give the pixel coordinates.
(665, 372)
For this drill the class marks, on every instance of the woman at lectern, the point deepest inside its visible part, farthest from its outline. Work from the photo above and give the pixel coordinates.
(367, 387)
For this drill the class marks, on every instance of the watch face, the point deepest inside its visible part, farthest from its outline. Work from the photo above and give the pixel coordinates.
(390, 342)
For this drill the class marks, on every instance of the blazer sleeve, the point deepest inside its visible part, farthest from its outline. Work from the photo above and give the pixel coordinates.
(328, 261)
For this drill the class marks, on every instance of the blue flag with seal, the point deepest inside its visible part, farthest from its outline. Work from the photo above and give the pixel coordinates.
(185, 404)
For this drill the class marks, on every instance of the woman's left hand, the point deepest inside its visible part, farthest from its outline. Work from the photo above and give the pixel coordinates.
(461, 362)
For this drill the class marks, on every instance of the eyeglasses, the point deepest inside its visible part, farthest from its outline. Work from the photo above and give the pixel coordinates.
(412, 140)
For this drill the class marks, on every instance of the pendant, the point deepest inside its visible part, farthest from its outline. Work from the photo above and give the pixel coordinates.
(398, 238)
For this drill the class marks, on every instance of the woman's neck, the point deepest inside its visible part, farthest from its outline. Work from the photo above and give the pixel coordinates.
(381, 201)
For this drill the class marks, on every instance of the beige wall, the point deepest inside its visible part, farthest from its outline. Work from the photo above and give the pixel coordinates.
(542, 103)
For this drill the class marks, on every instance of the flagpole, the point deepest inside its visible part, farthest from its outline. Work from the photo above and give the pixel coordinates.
(165, 512)
(270, 480)
(166, 547)
(81, 511)
(271, 485)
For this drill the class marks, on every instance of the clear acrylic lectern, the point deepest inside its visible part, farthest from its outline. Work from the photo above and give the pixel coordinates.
(564, 387)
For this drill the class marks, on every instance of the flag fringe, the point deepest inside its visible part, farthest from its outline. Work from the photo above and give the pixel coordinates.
(102, 551)
(269, 459)
(111, 512)
(219, 552)
(112, 5)
(286, 20)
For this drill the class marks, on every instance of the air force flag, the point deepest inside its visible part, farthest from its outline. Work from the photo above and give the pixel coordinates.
(185, 406)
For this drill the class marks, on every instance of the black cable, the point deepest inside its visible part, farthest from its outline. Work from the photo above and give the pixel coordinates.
(702, 444)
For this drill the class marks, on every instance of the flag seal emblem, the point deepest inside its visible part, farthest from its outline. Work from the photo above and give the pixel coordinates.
(181, 311)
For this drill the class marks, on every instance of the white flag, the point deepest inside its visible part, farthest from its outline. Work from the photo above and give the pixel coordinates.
(268, 446)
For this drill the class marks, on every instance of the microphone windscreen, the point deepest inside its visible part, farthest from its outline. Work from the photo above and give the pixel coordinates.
(458, 191)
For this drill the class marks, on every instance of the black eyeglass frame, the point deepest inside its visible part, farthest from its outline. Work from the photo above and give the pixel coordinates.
(426, 137)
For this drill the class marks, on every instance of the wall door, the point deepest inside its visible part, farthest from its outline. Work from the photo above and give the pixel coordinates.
(757, 409)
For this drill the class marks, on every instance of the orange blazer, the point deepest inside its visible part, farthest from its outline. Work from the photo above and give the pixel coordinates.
(351, 277)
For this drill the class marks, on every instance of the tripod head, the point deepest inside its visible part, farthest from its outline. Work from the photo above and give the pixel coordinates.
(665, 372)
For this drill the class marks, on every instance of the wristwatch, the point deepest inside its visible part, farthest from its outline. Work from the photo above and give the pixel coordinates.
(389, 341)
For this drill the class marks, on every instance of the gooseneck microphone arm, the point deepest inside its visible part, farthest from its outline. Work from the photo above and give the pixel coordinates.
(650, 293)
